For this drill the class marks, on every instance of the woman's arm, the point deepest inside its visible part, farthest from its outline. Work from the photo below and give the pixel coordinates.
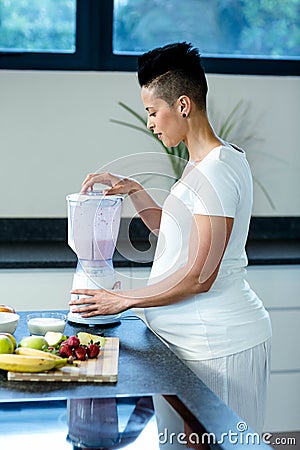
(146, 207)
(209, 239)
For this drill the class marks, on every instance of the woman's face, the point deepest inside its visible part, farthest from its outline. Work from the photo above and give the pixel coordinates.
(165, 121)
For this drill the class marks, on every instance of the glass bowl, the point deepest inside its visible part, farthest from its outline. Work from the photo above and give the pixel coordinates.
(40, 322)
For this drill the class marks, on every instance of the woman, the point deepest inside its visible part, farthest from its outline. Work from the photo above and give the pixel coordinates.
(197, 299)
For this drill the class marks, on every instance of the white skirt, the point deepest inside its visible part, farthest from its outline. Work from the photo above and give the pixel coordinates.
(240, 380)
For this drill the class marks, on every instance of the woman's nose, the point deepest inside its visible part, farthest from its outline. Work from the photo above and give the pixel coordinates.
(150, 125)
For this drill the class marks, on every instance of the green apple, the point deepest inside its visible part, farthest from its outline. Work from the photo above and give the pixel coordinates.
(37, 342)
(11, 337)
(6, 345)
(54, 338)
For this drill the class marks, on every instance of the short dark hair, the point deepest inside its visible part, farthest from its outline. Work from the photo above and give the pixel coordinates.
(174, 70)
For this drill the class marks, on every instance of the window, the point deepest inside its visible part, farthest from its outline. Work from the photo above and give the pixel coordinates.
(38, 26)
(234, 36)
(236, 28)
(45, 34)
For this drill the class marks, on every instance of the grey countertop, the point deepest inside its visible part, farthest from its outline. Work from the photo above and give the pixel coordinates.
(146, 366)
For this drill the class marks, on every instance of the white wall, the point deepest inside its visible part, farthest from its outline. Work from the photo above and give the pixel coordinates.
(55, 127)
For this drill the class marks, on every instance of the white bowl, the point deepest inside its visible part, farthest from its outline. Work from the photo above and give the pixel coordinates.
(41, 322)
(8, 322)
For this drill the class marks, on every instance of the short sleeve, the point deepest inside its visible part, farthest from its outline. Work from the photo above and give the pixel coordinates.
(216, 191)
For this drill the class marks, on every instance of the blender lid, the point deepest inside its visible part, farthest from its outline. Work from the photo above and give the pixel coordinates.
(92, 195)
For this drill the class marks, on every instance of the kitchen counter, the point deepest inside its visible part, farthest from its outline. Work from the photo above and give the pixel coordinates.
(146, 366)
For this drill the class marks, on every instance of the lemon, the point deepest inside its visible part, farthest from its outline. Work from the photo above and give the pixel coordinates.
(87, 338)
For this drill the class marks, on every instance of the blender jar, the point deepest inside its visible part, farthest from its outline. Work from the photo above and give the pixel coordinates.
(93, 228)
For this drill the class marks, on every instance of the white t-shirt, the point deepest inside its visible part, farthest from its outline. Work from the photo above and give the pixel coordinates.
(229, 317)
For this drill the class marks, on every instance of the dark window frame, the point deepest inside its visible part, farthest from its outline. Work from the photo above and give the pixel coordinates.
(94, 36)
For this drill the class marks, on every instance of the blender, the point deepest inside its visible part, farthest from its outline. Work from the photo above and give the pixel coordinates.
(93, 228)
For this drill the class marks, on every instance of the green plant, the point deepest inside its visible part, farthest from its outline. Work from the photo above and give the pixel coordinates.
(179, 155)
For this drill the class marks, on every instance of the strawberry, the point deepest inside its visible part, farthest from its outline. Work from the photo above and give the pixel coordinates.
(65, 351)
(80, 353)
(73, 341)
(93, 350)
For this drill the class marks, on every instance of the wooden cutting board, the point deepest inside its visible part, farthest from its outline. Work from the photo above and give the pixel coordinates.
(103, 369)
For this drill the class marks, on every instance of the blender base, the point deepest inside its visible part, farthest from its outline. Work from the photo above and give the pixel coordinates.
(96, 320)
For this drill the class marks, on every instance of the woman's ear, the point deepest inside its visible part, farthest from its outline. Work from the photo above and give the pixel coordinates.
(184, 103)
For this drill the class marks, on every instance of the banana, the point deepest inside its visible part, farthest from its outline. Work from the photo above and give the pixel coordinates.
(26, 351)
(20, 363)
(60, 362)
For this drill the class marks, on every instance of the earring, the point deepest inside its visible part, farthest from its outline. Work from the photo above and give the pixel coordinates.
(184, 115)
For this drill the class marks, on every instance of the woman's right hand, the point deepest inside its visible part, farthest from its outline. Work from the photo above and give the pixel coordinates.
(116, 183)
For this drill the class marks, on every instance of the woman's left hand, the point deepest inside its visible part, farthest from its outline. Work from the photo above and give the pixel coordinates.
(98, 302)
